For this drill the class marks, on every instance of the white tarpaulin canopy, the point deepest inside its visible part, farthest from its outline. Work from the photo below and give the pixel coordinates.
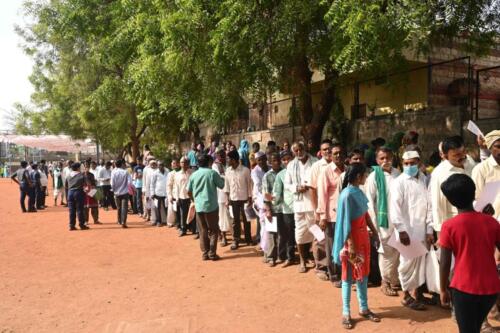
(51, 143)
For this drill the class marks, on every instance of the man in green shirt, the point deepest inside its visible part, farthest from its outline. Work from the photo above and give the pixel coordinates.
(202, 187)
(284, 200)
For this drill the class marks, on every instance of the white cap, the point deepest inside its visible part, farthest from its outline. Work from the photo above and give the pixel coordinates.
(408, 155)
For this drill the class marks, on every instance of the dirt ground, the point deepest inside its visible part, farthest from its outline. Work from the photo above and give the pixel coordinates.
(147, 279)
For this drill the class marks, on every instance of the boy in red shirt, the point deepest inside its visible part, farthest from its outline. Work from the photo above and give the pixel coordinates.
(472, 238)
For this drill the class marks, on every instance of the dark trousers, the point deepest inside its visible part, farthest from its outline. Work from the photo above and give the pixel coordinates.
(183, 207)
(161, 211)
(31, 198)
(122, 205)
(138, 208)
(24, 192)
(101, 202)
(39, 196)
(288, 234)
(332, 269)
(108, 197)
(178, 216)
(75, 204)
(94, 211)
(471, 310)
(238, 208)
(208, 226)
(276, 244)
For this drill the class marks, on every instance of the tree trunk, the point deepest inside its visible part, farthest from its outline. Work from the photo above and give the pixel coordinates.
(313, 129)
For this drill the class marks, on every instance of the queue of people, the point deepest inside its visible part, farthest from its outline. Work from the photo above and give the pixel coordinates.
(367, 217)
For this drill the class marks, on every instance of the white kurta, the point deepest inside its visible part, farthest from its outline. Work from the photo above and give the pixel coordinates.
(410, 211)
(225, 220)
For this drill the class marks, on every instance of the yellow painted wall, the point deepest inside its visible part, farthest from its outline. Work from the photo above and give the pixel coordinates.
(400, 92)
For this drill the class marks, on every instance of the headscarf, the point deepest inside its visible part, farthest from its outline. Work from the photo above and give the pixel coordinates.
(491, 137)
(243, 151)
(352, 203)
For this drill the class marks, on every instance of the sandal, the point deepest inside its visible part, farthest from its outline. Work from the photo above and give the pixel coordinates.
(388, 291)
(413, 304)
(427, 300)
(370, 316)
(347, 323)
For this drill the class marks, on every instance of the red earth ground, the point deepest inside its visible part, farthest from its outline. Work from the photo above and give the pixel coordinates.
(147, 279)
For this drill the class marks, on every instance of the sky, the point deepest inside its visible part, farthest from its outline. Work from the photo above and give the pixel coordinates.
(15, 66)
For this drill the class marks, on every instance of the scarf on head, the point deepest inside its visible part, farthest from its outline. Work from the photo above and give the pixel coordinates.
(382, 220)
(491, 137)
(352, 204)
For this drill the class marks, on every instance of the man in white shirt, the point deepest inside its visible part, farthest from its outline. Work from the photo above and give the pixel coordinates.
(158, 191)
(238, 188)
(104, 178)
(225, 221)
(488, 171)
(257, 174)
(377, 188)
(411, 216)
(181, 180)
(297, 181)
(65, 174)
(147, 173)
(173, 218)
(454, 160)
(320, 257)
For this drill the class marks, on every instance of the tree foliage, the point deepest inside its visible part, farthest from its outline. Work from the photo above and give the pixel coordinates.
(118, 70)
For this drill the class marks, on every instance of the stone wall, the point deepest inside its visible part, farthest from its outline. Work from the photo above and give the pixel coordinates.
(432, 124)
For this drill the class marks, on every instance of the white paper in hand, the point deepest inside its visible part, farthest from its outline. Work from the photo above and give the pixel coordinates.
(230, 208)
(472, 127)
(92, 192)
(272, 226)
(488, 196)
(317, 232)
(414, 250)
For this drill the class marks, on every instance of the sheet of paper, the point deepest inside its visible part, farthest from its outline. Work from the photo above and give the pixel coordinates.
(489, 194)
(272, 226)
(414, 250)
(230, 208)
(155, 203)
(92, 192)
(317, 232)
(472, 127)
(174, 206)
(380, 248)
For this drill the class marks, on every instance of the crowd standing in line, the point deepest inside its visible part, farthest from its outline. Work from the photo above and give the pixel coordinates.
(371, 216)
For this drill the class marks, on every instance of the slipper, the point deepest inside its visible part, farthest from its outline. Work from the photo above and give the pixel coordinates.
(370, 316)
(388, 291)
(413, 304)
(347, 323)
(427, 300)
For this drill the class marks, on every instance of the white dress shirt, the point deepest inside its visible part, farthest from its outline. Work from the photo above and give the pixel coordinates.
(181, 179)
(120, 179)
(104, 176)
(158, 184)
(486, 172)
(220, 169)
(298, 174)
(238, 183)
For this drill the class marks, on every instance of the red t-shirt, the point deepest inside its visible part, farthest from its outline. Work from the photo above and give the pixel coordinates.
(473, 237)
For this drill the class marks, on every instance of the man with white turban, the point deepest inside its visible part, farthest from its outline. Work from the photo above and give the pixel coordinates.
(411, 215)
(489, 170)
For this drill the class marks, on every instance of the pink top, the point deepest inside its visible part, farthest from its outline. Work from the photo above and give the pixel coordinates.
(328, 192)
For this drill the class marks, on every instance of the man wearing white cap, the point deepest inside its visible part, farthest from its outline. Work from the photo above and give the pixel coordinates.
(257, 174)
(147, 175)
(411, 215)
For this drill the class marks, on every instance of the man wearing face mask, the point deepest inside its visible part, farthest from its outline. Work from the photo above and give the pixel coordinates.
(411, 215)
(377, 187)
(453, 151)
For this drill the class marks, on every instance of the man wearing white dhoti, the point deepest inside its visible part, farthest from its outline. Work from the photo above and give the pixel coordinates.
(411, 215)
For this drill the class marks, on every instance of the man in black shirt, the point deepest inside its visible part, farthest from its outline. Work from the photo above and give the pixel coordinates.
(74, 183)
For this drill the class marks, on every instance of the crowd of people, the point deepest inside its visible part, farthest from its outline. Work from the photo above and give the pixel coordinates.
(371, 216)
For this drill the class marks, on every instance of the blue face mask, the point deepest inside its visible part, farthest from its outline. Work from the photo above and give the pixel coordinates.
(411, 170)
